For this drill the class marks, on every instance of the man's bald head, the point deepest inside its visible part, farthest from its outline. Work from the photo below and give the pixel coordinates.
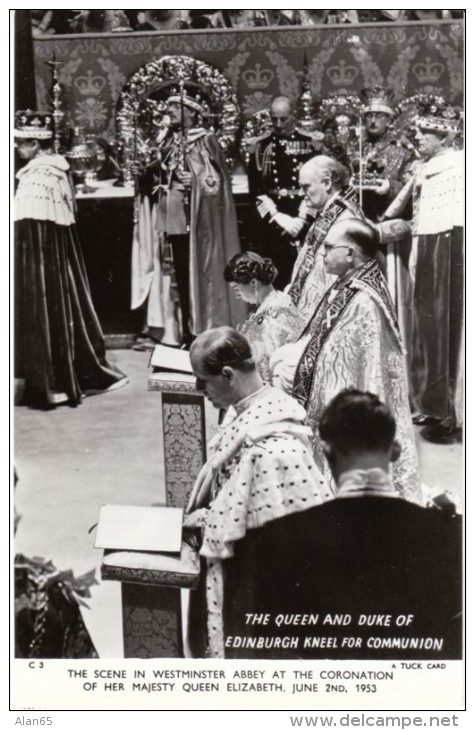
(356, 233)
(325, 165)
(282, 116)
(281, 104)
(320, 178)
(348, 245)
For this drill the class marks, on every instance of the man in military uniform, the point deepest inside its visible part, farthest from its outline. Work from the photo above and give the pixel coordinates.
(282, 217)
(384, 157)
(386, 161)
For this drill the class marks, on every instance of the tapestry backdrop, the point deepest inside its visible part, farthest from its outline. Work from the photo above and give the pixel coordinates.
(260, 64)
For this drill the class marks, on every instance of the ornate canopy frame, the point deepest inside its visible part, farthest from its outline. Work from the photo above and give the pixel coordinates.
(143, 103)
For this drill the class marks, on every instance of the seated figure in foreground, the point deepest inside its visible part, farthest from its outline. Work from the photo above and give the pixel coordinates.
(276, 320)
(352, 341)
(260, 468)
(368, 553)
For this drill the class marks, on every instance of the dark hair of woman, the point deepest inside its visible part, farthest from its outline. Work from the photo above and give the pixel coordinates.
(246, 266)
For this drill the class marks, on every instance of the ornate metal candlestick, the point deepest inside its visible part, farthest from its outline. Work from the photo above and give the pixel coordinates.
(307, 120)
(56, 92)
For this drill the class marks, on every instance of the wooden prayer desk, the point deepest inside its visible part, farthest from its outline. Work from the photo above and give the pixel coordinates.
(183, 423)
(151, 582)
(188, 423)
(151, 602)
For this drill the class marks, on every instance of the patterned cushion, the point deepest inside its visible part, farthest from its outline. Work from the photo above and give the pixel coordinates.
(174, 571)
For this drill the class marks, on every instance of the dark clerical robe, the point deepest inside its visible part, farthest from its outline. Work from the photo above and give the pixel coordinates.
(364, 576)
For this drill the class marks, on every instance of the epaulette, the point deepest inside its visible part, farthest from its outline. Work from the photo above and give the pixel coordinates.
(252, 142)
(314, 134)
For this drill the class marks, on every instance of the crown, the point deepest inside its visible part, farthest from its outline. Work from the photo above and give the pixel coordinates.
(337, 105)
(190, 98)
(30, 124)
(258, 78)
(377, 99)
(441, 118)
(428, 72)
(89, 85)
(431, 113)
(343, 74)
(191, 94)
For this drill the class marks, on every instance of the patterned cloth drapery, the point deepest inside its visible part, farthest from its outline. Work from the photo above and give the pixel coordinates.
(409, 58)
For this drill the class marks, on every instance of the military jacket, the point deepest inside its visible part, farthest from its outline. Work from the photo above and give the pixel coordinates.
(275, 164)
(386, 158)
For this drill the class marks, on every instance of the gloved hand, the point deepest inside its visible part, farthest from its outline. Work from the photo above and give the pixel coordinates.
(292, 226)
(265, 206)
(381, 187)
(184, 177)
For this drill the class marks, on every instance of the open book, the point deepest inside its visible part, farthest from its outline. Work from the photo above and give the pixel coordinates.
(171, 359)
(128, 527)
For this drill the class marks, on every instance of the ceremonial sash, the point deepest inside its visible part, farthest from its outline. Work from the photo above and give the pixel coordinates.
(346, 200)
(368, 278)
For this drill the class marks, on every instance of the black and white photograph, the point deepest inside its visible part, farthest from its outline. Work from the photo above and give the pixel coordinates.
(237, 346)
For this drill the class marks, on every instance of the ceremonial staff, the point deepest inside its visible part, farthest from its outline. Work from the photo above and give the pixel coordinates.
(182, 156)
(136, 163)
(360, 150)
(56, 94)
